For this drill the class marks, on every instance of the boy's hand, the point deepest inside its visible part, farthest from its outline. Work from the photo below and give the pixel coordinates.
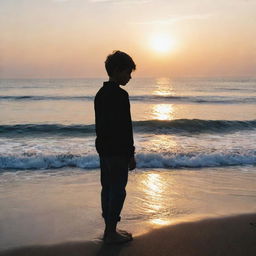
(132, 163)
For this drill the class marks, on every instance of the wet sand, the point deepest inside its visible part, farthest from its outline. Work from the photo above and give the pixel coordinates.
(233, 235)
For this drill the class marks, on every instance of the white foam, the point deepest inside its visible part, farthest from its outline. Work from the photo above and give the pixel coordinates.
(144, 160)
(194, 161)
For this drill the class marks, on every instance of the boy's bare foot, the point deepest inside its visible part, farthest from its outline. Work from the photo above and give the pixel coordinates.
(124, 232)
(117, 237)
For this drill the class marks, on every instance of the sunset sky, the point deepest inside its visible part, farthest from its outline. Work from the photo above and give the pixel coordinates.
(71, 38)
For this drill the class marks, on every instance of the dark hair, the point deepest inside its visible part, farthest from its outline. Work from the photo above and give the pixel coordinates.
(120, 61)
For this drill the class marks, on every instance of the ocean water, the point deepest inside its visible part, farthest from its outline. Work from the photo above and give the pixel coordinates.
(195, 148)
(48, 124)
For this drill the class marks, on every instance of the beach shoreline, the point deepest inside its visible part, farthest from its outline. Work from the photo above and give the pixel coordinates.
(231, 235)
(59, 206)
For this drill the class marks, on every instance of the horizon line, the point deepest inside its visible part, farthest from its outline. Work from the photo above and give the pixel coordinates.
(140, 77)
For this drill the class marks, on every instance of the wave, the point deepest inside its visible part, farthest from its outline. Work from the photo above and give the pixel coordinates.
(32, 97)
(196, 99)
(193, 126)
(150, 126)
(46, 129)
(39, 162)
(146, 98)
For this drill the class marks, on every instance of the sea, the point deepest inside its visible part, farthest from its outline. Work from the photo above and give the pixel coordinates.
(195, 150)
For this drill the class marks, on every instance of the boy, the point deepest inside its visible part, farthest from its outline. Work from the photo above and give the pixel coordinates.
(114, 142)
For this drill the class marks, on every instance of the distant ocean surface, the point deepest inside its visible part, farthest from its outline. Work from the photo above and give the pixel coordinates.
(178, 123)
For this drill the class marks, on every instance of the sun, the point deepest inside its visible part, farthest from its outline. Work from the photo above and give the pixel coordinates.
(162, 43)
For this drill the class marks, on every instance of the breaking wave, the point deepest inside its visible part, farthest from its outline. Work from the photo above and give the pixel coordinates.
(144, 160)
(149, 126)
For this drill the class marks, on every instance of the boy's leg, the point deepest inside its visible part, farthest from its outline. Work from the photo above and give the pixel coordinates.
(114, 175)
(104, 178)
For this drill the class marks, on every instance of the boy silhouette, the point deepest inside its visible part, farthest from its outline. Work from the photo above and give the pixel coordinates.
(114, 142)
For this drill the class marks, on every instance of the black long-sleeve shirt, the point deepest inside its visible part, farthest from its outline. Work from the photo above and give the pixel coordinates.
(113, 121)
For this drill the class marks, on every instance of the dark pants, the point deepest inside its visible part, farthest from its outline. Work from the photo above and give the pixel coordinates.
(114, 176)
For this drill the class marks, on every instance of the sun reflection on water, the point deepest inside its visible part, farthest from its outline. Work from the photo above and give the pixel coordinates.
(154, 187)
(163, 111)
(164, 87)
(161, 221)
(157, 203)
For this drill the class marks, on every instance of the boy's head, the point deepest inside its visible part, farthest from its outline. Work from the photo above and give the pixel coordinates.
(119, 67)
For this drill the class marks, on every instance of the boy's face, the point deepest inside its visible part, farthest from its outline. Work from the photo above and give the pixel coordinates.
(122, 77)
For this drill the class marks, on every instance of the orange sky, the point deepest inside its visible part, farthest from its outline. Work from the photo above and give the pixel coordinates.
(71, 38)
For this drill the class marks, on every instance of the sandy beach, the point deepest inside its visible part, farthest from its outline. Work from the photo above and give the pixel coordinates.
(233, 235)
(43, 207)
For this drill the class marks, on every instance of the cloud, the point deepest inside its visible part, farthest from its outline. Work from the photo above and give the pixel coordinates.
(173, 20)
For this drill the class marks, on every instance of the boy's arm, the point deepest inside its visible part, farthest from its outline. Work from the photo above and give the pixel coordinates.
(132, 163)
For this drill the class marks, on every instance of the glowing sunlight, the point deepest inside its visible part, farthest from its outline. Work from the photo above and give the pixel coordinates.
(164, 87)
(155, 187)
(163, 111)
(162, 43)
